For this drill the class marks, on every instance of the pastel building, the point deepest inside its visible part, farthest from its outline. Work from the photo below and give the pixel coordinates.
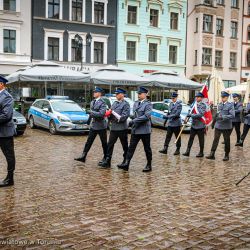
(151, 35)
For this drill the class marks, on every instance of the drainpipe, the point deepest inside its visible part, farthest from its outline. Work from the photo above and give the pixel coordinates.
(242, 29)
(31, 37)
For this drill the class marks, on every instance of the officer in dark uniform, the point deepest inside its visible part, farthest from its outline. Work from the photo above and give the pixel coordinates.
(98, 125)
(7, 131)
(141, 130)
(197, 127)
(223, 125)
(173, 124)
(246, 124)
(118, 126)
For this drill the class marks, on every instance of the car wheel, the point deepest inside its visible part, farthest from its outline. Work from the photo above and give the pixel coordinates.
(32, 122)
(52, 128)
(20, 133)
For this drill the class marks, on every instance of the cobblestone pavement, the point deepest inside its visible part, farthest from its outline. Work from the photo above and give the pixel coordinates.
(185, 203)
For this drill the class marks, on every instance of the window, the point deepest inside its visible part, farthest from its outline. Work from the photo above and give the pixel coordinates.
(219, 27)
(53, 9)
(218, 58)
(248, 32)
(132, 14)
(173, 54)
(208, 2)
(152, 54)
(196, 24)
(206, 56)
(76, 52)
(234, 3)
(53, 48)
(9, 5)
(195, 57)
(9, 37)
(77, 10)
(248, 9)
(229, 83)
(207, 23)
(98, 52)
(160, 106)
(220, 2)
(174, 21)
(234, 29)
(248, 58)
(154, 15)
(99, 12)
(233, 59)
(131, 51)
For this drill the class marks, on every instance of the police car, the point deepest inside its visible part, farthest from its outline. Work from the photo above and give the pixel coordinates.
(58, 114)
(20, 122)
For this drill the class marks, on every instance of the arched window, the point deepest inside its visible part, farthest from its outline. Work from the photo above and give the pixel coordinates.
(248, 33)
(248, 9)
(248, 58)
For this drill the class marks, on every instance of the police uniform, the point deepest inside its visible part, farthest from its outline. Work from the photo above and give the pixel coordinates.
(173, 124)
(223, 125)
(141, 130)
(236, 122)
(118, 127)
(7, 131)
(98, 126)
(197, 128)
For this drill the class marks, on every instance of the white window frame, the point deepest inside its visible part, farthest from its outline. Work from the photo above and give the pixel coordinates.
(136, 49)
(18, 5)
(130, 37)
(177, 54)
(105, 10)
(178, 23)
(83, 10)
(54, 34)
(60, 12)
(71, 36)
(159, 17)
(137, 13)
(103, 39)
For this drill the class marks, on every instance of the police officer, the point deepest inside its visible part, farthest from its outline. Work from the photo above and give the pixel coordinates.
(118, 126)
(197, 127)
(7, 131)
(238, 107)
(223, 125)
(173, 124)
(141, 130)
(246, 124)
(98, 125)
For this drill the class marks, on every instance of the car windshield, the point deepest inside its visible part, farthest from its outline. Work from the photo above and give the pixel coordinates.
(64, 106)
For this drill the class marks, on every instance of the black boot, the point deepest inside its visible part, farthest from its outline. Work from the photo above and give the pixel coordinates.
(164, 150)
(200, 155)
(125, 165)
(177, 151)
(82, 158)
(101, 161)
(211, 156)
(119, 165)
(187, 153)
(240, 143)
(8, 181)
(106, 163)
(148, 167)
(226, 157)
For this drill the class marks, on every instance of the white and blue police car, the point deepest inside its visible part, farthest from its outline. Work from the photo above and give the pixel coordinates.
(58, 114)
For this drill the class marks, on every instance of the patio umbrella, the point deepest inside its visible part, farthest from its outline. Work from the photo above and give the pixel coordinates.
(171, 80)
(246, 98)
(239, 89)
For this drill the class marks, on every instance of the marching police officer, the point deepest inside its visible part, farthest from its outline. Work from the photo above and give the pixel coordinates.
(246, 124)
(223, 125)
(197, 127)
(173, 124)
(7, 131)
(141, 130)
(98, 125)
(238, 107)
(118, 126)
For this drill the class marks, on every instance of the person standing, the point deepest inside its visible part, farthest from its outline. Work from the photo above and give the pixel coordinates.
(118, 126)
(173, 124)
(98, 125)
(246, 124)
(223, 125)
(141, 130)
(197, 127)
(7, 132)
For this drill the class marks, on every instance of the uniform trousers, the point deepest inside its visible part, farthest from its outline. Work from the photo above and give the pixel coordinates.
(226, 134)
(236, 126)
(201, 136)
(245, 132)
(7, 147)
(170, 132)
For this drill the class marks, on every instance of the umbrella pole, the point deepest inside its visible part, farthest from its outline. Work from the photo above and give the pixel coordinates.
(45, 88)
(110, 89)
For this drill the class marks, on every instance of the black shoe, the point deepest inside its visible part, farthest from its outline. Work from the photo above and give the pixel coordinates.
(8, 181)
(240, 144)
(226, 158)
(164, 150)
(148, 168)
(119, 165)
(187, 153)
(177, 151)
(81, 158)
(101, 161)
(106, 163)
(211, 156)
(125, 165)
(200, 155)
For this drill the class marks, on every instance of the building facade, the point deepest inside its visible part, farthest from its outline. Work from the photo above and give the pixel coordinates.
(151, 35)
(15, 35)
(56, 24)
(214, 39)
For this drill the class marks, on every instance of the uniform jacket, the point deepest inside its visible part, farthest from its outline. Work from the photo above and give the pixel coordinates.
(196, 118)
(142, 116)
(97, 113)
(174, 119)
(7, 126)
(123, 109)
(247, 117)
(226, 115)
(238, 107)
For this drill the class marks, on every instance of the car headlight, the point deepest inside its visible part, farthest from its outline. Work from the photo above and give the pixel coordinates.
(63, 119)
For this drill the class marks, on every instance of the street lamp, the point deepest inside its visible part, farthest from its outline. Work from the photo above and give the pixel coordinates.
(79, 43)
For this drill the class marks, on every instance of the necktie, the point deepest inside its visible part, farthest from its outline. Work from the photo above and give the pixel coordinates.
(139, 104)
(94, 102)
